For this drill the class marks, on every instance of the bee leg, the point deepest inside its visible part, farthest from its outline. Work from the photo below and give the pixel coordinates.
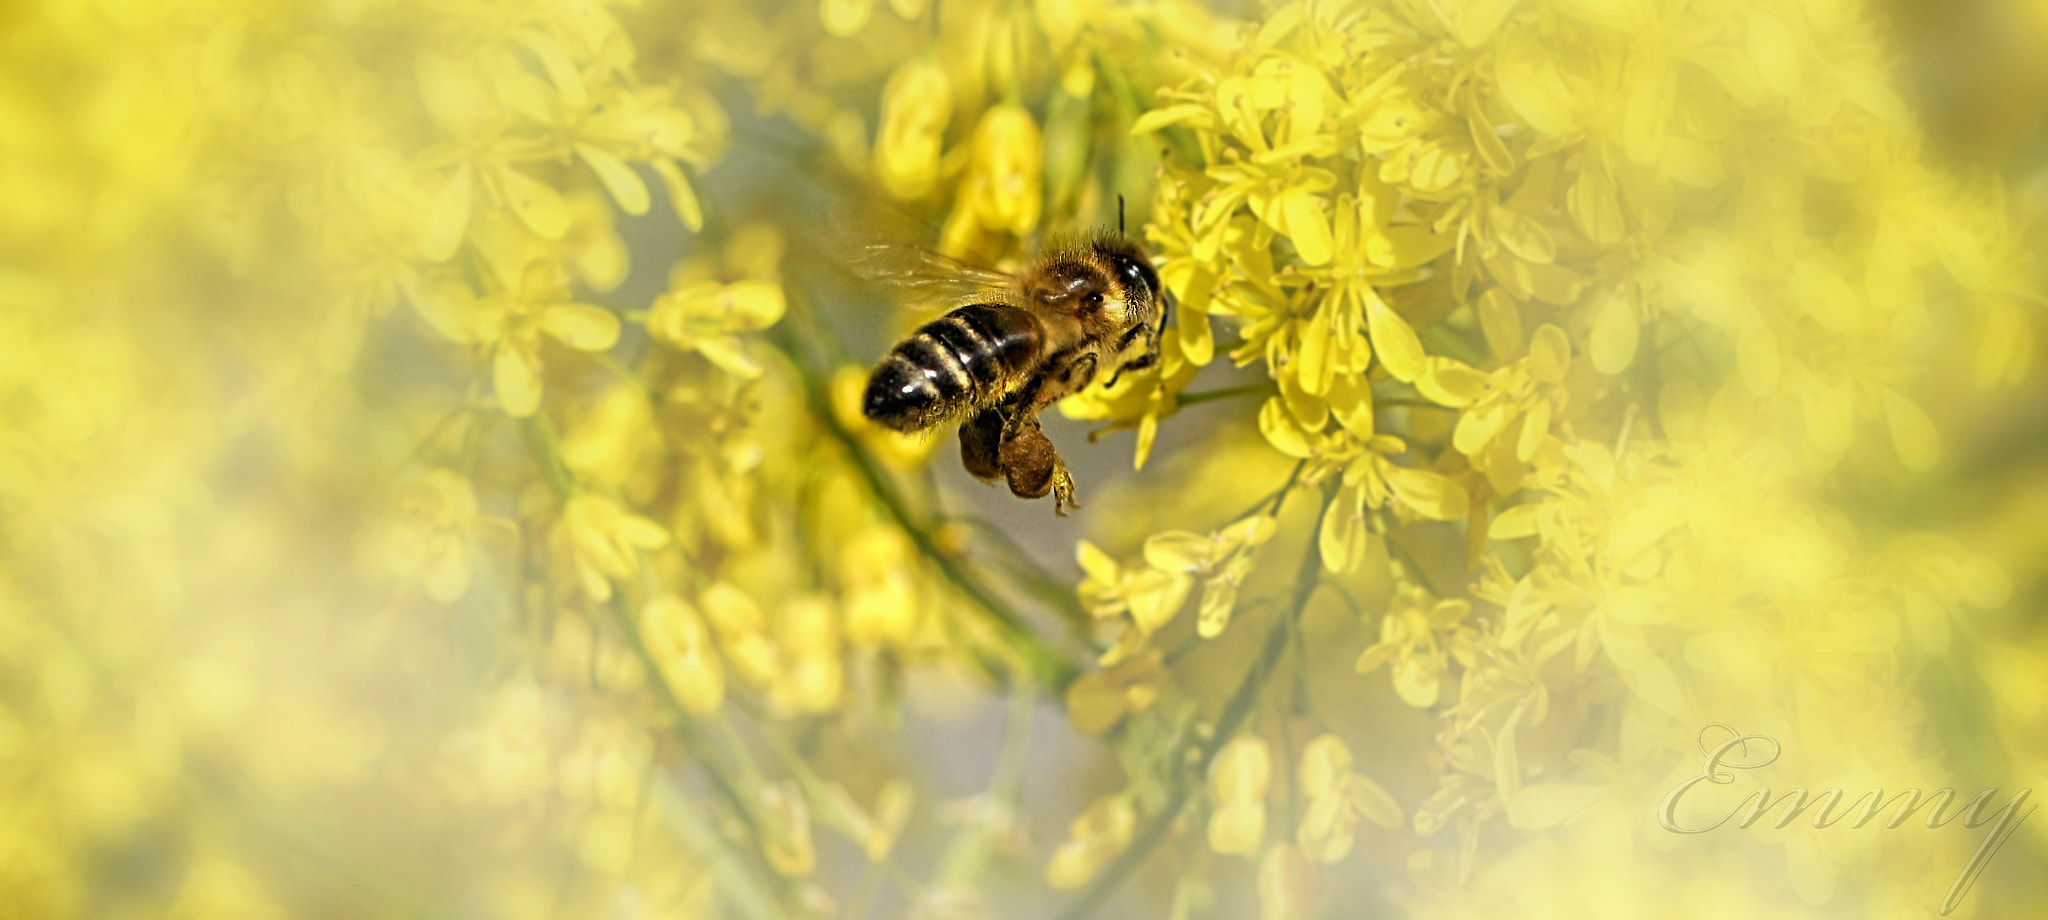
(1154, 336)
(1078, 374)
(981, 441)
(1062, 489)
(1027, 458)
(1034, 467)
(1138, 363)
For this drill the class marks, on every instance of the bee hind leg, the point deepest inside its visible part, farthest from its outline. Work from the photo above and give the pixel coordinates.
(1033, 467)
(981, 442)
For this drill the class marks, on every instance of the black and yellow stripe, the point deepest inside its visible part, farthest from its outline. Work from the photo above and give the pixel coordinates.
(967, 359)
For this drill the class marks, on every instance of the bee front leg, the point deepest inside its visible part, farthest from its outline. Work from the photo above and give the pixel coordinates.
(1154, 335)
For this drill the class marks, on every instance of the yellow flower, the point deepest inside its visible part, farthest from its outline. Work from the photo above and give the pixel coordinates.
(916, 104)
(1419, 636)
(1003, 182)
(603, 540)
(434, 539)
(677, 641)
(1096, 702)
(882, 606)
(1336, 800)
(509, 327)
(1238, 780)
(1098, 834)
(813, 679)
(707, 318)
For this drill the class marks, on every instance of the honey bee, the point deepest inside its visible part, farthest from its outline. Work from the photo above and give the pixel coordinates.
(1021, 343)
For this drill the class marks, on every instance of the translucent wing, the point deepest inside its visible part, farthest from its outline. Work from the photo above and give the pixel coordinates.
(923, 277)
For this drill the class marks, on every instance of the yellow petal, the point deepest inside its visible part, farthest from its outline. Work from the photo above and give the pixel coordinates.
(515, 374)
(1514, 523)
(1478, 425)
(1237, 828)
(680, 195)
(1415, 681)
(752, 305)
(845, 18)
(1281, 431)
(1523, 236)
(1393, 340)
(1535, 428)
(619, 179)
(731, 356)
(1212, 615)
(1306, 225)
(1156, 598)
(1179, 551)
(1325, 766)
(581, 326)
(1615, 331)
(1534, 89)
(1449, 382)
(1594, 206)
(1501, 321)
(538, 205)
(1774, 47)
(1341, 539)
(1312, 368)
(1429, 493)
(1241, 772)
(1200, 116)
(1550, 354)
(448, 217)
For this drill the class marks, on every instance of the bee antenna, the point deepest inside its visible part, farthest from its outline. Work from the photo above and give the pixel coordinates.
(1119, 214)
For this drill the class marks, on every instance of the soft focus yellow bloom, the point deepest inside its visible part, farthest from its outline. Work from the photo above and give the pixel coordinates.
(604, 541)
(706, 318)
(1237, 781)
(1096, 836)
(433, 539)
(1097, 701)
(1002, 186)
(1336, 800)
(1409, 639)
(882, 603)
(916, 105)
(680, 646)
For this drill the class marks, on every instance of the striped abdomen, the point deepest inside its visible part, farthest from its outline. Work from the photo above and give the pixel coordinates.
(964, 360)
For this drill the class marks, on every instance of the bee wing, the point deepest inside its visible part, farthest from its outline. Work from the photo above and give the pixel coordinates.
(926, 277)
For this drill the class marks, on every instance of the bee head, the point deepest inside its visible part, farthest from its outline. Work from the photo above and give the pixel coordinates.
(1132, 270)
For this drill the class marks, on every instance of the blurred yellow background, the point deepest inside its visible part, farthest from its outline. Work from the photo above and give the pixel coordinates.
(432, 481)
